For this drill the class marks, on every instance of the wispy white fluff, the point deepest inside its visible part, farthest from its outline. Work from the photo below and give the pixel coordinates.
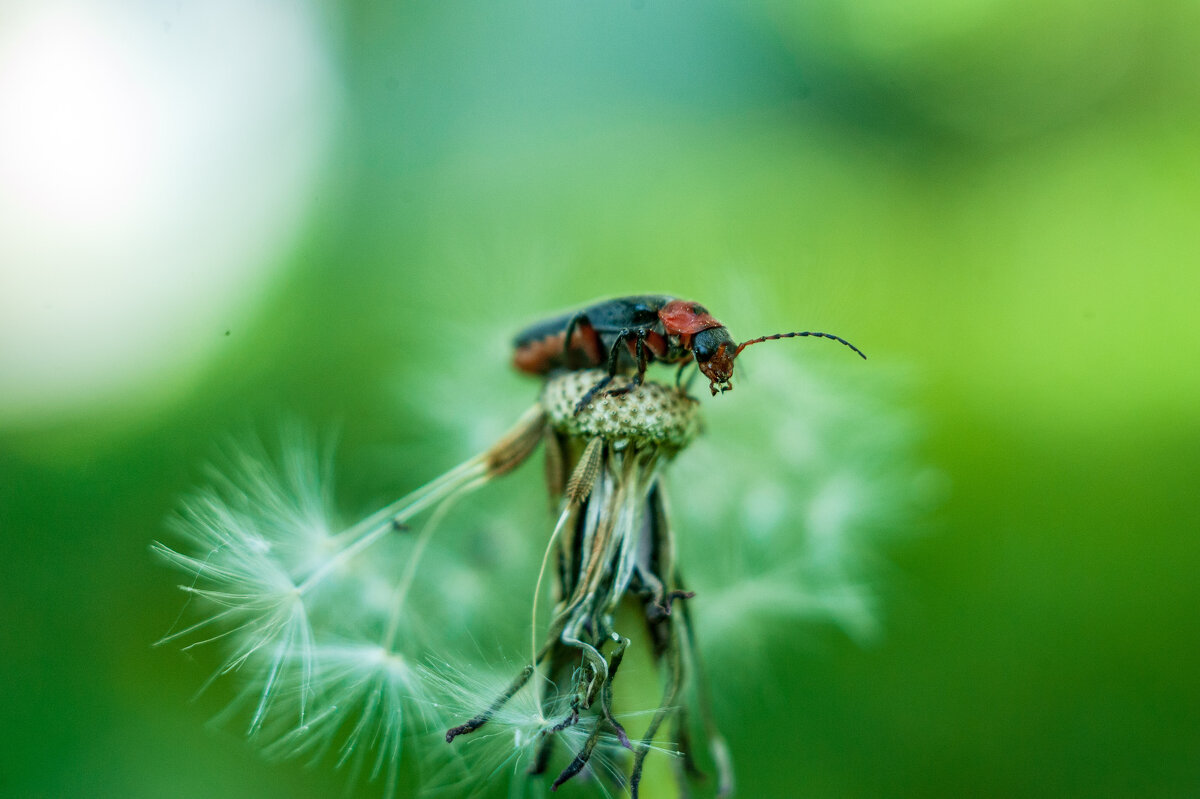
(316, 632)
(370, 695)
(254, 535)
(803, 472)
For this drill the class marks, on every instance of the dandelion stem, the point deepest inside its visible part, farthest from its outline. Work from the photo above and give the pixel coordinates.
(414, 559)
(382, 522)
(504, 456)
(537, 590)
(399, 509)
(579, 487)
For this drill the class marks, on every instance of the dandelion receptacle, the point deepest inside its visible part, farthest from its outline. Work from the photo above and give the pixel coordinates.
(612, 542)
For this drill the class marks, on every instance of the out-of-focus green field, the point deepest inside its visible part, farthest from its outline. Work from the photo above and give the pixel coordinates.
(999, 199)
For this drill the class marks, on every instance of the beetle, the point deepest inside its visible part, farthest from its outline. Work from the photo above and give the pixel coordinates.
(635, 331)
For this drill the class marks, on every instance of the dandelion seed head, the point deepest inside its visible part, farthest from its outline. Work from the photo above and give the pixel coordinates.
(369, 692)
(652, 414)
(245, 596)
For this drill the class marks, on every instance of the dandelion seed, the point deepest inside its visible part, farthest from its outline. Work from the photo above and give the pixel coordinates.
(244, 577)
(368, 693)
(266, 565)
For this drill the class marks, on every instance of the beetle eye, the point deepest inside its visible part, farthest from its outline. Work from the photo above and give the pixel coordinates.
(707, 343)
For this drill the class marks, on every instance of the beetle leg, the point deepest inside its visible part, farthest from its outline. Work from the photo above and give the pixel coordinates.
(679, 374)
(614, 352)
(589, 341)
(614, 356)
(576, 320)
(685, 388)
(642, 358)
(571, 325)
(592, 392)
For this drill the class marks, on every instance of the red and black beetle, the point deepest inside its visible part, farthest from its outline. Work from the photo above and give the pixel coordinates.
(634, 331)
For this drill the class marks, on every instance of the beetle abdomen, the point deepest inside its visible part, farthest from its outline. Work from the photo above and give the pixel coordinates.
(540, 356)
(540, 349)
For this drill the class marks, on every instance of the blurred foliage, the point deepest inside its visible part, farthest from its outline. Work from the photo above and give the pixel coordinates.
(999, 196)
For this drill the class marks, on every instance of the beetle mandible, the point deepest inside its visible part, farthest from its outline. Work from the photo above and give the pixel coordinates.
(635, 331)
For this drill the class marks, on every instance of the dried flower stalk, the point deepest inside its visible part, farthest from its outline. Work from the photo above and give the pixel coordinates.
(613, 542)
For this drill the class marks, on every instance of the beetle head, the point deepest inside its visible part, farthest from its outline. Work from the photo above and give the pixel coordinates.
(715, 350)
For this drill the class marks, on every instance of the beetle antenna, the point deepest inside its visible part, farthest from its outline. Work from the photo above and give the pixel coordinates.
(746, 344)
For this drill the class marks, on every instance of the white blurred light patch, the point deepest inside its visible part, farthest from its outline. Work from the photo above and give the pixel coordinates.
(157, 161)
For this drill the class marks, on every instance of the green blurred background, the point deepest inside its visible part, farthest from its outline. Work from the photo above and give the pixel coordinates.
(343, 213)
